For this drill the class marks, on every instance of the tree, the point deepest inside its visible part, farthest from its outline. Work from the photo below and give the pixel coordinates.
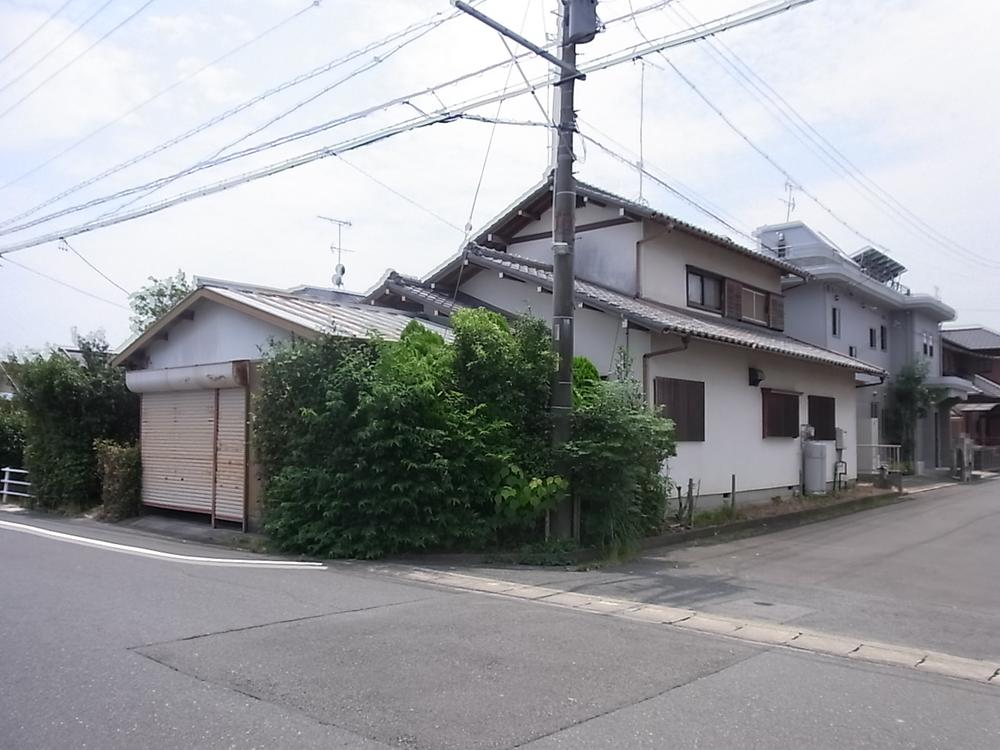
(154, 299)
(910, 399)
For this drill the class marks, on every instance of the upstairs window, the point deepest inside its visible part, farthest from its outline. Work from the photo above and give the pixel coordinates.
(872, 338)
(754, 306)
(823, 417)
(704, 290)
(835, 321)
(883, 337)
(683, 401)
(781, 414)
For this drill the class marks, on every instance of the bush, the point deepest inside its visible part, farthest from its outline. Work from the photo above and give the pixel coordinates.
(67, 405)
(615, 457)
(119, 466)
(11, 435)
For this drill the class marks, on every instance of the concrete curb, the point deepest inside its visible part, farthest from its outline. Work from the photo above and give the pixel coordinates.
(759, 632)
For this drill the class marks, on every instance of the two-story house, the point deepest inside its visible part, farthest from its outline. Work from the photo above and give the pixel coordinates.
(973, 353)
(857, 306)
(700, 318)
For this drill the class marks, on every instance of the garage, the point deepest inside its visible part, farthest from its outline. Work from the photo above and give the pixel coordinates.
(194, 439)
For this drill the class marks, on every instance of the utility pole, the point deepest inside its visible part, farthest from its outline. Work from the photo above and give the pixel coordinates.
(579, 26)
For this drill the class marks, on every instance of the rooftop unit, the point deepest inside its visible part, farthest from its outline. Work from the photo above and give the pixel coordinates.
(879, 266)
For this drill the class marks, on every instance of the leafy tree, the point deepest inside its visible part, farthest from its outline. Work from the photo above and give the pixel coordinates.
(909, 399)
(154, 299)
(11, 434)
(66, 406)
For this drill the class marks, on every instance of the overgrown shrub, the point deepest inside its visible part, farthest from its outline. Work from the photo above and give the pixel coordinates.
(375, 448)
(119, 467)
(67, 405)
(615, 457)
(11, 435)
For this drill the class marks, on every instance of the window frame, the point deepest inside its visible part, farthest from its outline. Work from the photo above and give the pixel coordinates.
(765, 321)
(872, 338)
(835, 326)
(884, 338)
(784, 429)
(827, 429)
(703, 274)
(684, 432)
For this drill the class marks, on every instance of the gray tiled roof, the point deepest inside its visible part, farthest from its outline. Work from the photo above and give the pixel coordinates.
(976, 339)
(662, 318)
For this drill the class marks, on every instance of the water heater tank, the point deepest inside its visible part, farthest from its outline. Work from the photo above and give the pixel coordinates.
(814, 470)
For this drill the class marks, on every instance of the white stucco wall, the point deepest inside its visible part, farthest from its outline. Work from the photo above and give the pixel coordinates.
(734, 442)
(216, 334)
(664, 257)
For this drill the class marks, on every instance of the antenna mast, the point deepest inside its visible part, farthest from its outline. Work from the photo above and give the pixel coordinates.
(338, 247)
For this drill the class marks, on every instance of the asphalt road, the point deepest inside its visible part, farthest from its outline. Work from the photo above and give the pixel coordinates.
(102, 649)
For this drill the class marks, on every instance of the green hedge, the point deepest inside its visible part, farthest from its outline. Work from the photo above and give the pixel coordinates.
(11, 435)
(119, 467)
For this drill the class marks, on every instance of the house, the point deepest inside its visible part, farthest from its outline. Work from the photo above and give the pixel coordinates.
(195, 369)
(973, 354)
(857, 306)
(700, 318)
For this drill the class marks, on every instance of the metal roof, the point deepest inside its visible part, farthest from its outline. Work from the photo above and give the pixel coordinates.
(299, 314)
(977, 339)
(645, 313)
(538, 200)
(988, 388)
(975, 406)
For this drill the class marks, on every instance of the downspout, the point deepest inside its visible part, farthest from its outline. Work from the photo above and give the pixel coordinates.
(685, 340)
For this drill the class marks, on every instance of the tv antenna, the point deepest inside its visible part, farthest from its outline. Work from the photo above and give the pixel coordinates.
(790, 200)
(338, 248)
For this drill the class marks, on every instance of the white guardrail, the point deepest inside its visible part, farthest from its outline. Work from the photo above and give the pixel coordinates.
(873, 458)
(14, 487)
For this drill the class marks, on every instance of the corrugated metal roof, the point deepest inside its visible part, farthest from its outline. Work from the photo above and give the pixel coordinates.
(662, 318)
(322, 316)
(976, 339)
(987, 386)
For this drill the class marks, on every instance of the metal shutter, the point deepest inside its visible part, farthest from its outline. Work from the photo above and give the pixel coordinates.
(178, 433)
(231, 455)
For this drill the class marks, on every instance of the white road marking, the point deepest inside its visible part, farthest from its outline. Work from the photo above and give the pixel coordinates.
(224, 562)
(761, 632)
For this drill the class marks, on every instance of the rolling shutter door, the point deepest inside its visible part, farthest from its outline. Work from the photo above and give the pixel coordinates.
(231, 455)
(178, 433)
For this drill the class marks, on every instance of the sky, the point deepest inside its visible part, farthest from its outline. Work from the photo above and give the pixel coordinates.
(899, 88)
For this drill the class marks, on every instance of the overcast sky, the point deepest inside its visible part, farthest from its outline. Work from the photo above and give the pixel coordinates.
(905, 89)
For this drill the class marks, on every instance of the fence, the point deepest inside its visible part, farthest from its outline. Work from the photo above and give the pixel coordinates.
(20, 486)
(986, 457)
(872, 458)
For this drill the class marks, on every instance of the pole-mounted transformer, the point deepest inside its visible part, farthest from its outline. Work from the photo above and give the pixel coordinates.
(583, 21)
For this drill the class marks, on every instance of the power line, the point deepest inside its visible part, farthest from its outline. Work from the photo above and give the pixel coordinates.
(34, 33)
(65, 284)
(59, 70)
(70, 248)
(202, 126)
(750, 15)
(793, 121)
(38, 61)
(183, 79)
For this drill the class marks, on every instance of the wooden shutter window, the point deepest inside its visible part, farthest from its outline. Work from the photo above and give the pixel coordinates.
(823, 417)
(777, 309)
(781, 414)
(734, 299)
(683, 401)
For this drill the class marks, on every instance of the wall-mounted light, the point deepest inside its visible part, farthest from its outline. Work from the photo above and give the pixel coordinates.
(756, 376)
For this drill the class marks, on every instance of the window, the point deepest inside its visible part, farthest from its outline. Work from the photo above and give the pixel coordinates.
(925, 343)
(883, 338)
(874, 410)
(823, 417)
(754, 306)
(852, 351)
(781, 414)
(704, 290)
(684, 402)
(835, 321)
(930, 347)
(872, 338)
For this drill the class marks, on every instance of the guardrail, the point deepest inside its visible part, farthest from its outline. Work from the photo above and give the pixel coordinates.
(873, 458)
(20, 486)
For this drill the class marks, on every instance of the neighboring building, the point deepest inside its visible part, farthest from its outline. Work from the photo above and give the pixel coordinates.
(195, 369)
(857, 306)
(973, 354)
(700, 317)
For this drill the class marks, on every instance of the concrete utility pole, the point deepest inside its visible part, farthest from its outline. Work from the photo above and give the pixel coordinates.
(579, 26)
